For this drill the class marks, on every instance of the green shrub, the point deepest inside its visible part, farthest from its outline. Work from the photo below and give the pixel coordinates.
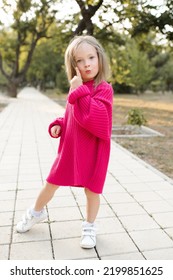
(136, 117)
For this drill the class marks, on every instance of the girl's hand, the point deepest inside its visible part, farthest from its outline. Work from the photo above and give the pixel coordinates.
(76, 81)
(55, 130)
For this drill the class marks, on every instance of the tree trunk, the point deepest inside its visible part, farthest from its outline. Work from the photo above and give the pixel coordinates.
(12, 89)
(87, 14)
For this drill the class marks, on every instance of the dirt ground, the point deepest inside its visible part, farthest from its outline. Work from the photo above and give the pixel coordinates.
(158, 110)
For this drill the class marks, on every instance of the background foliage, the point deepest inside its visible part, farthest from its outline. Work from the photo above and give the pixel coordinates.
(137, 37)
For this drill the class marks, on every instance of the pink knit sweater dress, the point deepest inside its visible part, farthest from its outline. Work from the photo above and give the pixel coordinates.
(85, 136)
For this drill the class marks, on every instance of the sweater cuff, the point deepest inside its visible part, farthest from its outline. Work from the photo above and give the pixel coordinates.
(81, 91)
(59, 122)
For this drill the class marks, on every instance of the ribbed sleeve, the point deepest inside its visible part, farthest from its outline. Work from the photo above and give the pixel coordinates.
(93, 110)
(58, 121)
(77, 93)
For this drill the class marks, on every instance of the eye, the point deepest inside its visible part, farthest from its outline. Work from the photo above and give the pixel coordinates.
(78, 61)
(91, 57)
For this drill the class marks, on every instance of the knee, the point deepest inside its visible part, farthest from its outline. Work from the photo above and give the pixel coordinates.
(90, 194)
(51, 186)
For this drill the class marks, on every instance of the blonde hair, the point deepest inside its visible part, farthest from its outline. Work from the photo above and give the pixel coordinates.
(103, 72)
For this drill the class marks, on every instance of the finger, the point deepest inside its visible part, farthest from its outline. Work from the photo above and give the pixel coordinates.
(78, 72)
(57, 131)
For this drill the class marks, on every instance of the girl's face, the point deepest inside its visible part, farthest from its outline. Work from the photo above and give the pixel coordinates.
(86, 59)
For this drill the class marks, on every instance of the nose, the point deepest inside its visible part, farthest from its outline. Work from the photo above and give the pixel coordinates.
(87, 64)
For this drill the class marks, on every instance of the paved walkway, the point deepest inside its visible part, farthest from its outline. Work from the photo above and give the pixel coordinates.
(135, 221)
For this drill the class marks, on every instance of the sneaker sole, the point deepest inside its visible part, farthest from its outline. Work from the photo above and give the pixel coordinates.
(87, 247)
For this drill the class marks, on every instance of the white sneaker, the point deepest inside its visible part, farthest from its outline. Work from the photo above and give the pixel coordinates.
(88, 239)
(28, 221)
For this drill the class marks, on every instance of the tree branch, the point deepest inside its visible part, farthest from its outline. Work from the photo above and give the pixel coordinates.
(87, 14)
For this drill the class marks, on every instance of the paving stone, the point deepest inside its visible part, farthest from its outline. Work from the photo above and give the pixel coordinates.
(8, 179)
(164, 219)
(29, 171)
(27, 194)
(129, 256)
(29, 177)
(157, 206)
(6, 218)
(7, 195)
(136, 187)
(169, 231)
(146, 196)
(28, 185)
(64, 191)
(23, 204)
(152, 177)
(114, 188)
(126, 209)
(111, 244)
(156, 186)
(39, 232)
(6, 170)
(114, 165)
(118, 197)
(81, 200)
(166, 194)
(108, 225)
(67, 229)
(76, 191)
(7, 206)
(151, 239)
(122, 172)
(128, 179)
(4, 252)
(8, 186)
(62, 201)
(41, 250)
(64, 214)
(105, 211)
(5, 235)
(170, 202)
(69, 249)
(110, 180)
(138, 222)
(163, 254)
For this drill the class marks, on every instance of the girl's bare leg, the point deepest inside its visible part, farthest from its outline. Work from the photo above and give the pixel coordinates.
(45, 196)
(92, 207)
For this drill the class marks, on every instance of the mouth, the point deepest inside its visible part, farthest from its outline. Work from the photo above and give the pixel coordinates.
(88, 71)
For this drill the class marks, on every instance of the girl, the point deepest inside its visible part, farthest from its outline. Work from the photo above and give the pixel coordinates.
(84, 132)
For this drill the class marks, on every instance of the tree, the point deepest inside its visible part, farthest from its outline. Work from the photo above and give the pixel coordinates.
(31, 21)
(140, 68)
(88, 9)
(163, 63)
(47, 66)
(158, 17)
